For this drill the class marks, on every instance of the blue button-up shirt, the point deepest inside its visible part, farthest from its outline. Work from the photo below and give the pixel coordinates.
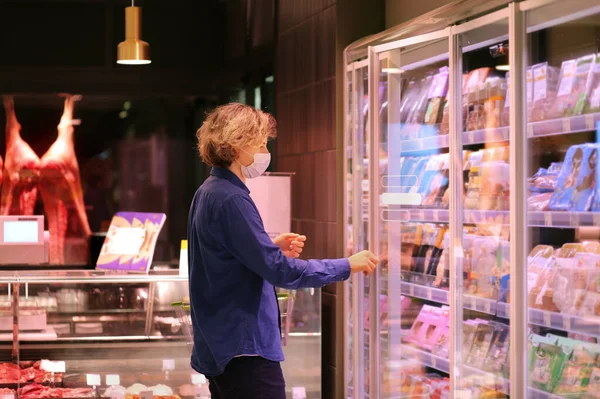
(234, 266)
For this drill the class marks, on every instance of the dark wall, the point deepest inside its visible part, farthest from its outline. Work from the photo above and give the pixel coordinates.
(309, 82)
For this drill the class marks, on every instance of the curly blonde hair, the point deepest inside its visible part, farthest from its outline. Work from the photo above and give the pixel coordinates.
(229, 128)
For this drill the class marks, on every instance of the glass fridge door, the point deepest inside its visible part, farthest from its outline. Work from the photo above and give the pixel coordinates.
(481, 211)
(562, 257)
(411, 218)
(357, 219)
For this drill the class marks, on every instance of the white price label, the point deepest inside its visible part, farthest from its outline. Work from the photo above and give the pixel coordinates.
(298, 393)
(566, 323)
(436, 215)
(93, 380)
(421, 144)
(429, 293)
(596, 219)
(168, 364)
(433, 362)
(589, 122)
(566, 125)
(470, 138)
(411, 290)
(547, 319)
(548, 218)
(198, 379)
(146, 395)
(487, 307)
(53, 367)
(573, 220)
(113, 379)
(421, 215)
(529, 130)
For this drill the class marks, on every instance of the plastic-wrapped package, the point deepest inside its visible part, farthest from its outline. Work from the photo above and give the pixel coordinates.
(545, 83)
(585, 186)
(494, 189)
(436, 97)
(592, 103)
(567, 179)
(573, 87)
(416, 115)
(494, 103)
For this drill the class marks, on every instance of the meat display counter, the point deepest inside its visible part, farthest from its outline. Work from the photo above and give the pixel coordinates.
(91, 333)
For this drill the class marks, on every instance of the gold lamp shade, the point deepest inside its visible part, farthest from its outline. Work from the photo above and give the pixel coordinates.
(133, 51)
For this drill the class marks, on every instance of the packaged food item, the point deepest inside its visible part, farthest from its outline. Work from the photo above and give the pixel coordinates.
(441, 320)
(545, 82)
(590, 303)
(538, 260)
(496, 357)
(546, 366)
(494, 186)
(571, 280)
(567, 179)
(581, 200)
(592, 103)
(436, 97)
(573, 87)
(430, 234)
(576, 372)
(431, 264)
(416, 115)
(493, 104)
(593, 388)
(469, 329)
(482, 279)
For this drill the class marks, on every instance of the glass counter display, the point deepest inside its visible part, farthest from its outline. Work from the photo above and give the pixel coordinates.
(82, 334)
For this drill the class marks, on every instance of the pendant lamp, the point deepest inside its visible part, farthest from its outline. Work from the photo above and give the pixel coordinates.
(133, 51)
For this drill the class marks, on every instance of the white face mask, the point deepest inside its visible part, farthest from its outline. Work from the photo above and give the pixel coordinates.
(258, 167)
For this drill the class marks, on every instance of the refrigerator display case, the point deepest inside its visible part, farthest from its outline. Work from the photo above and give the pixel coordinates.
(87, 334)
(481, 202)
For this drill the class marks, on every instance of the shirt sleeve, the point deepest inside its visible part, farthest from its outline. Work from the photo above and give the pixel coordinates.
(239, 229)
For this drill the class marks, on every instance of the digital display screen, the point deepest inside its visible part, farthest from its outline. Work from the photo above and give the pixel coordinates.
(20, 231)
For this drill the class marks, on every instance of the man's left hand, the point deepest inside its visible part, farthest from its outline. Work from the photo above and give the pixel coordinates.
(291, 244)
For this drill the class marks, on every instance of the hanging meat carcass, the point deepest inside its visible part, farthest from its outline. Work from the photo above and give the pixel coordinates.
(21, 168)
(60, 186)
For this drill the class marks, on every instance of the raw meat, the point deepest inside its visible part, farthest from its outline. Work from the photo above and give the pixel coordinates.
(60, 186)
(11, 373)
(36, 391)
(21, 168)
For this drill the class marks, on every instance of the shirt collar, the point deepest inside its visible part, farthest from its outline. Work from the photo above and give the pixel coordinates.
(226, 174)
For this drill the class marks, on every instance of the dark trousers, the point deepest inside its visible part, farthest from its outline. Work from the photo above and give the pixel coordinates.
(249, 377)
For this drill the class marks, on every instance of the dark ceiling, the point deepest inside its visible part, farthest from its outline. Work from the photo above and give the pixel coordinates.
(198, 47)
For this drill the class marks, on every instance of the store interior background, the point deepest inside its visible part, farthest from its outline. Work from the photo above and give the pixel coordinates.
(203, 53)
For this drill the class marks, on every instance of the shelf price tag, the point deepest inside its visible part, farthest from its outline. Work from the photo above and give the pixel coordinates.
(529, 130)
(566, 125)
(421, 215)
(53, 367)
(548, 218)
(298, 393)
(487, 307)
(590, 122)
(596, 219)
(146, 395)
(168, 364)
(93, 380)
(566, 323)
(198, 379)
(436, 215)
(547, 319)
(573, 220)
(113, 379)
(470, 137)
(433, 362)
(429, 294)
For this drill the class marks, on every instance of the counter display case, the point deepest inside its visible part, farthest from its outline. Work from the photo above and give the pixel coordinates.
(84, 334)
(481, 205)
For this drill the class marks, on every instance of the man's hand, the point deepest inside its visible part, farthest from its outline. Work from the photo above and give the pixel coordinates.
(291, 244)
(364, 261)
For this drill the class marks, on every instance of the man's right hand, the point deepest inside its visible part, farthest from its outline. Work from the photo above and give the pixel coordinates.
(364, 261)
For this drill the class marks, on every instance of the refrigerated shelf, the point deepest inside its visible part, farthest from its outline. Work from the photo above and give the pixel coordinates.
(570, 125)
(438, 295)
(551, 219)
